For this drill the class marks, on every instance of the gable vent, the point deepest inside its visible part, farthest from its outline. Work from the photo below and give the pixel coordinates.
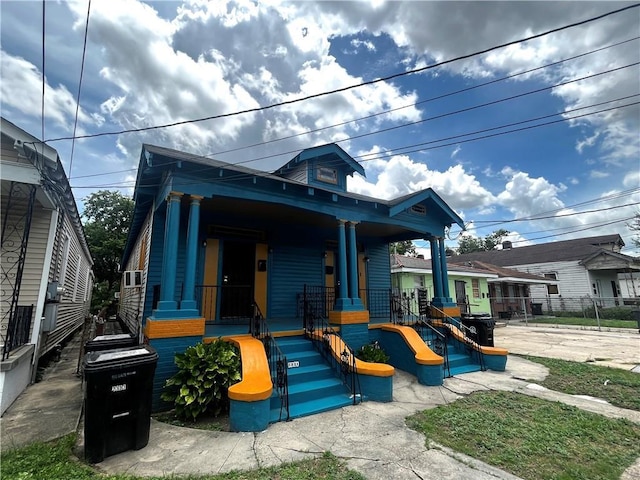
(418, 209)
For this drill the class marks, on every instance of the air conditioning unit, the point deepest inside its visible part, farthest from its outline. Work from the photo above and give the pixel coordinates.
(132, 278)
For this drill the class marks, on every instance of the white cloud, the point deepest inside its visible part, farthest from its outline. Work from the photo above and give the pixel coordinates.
(401, 175)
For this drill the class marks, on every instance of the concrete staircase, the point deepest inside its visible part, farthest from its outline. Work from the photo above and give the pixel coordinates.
(314, 385)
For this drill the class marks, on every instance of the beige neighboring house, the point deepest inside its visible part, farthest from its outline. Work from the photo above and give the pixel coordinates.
(46, 266)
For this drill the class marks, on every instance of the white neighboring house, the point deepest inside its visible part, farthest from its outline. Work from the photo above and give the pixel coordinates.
(584, 267)
(46, 266)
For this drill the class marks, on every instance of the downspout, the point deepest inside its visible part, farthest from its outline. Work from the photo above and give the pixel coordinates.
(36, 333)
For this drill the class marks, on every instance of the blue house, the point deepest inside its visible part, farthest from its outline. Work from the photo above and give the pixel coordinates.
(289, 258)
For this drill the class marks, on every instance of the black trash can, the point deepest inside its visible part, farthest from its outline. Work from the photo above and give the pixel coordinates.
(109, 342)
(117, 396)
(479, 327)
(536, 309)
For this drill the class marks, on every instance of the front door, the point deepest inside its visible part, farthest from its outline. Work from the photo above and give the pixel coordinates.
(238, 274)
(461, 296)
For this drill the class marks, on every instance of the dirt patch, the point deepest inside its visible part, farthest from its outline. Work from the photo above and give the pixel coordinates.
(218, 423)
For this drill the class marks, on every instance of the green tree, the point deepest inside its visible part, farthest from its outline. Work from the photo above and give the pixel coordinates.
(107, 216)
(469, 244)
(634, 226)
(405, 247)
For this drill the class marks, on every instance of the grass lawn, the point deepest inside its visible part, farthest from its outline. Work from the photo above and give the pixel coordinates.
(619, 387)
(54, 460)
(587, 322)
(532, 438)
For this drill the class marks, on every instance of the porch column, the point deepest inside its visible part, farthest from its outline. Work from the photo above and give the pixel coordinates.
(353, 266)
(343, 300)
(170, 253)
(445, 275)
(436, 267)
(188, 296)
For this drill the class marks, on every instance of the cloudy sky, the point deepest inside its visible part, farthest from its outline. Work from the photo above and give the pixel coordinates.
(156, 63)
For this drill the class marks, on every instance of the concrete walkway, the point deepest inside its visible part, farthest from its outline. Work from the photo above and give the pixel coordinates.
(371, 438)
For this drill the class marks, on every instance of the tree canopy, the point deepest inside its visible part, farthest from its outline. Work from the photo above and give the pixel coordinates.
(405, 247)
(468, 244)
(634, 226)
(107, 215)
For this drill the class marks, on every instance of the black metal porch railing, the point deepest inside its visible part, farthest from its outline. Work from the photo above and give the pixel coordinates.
(226, 304)
(323, 299)
(471, 345)
(18, 329)
(402, 314)
(326, 340)
(277, 360)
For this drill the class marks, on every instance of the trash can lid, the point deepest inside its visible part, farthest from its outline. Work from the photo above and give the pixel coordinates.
(118, 336)
(120, 357)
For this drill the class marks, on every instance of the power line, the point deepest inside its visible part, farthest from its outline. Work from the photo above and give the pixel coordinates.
(75, 122)
(257, 173)
(343, 89)
(431, 99)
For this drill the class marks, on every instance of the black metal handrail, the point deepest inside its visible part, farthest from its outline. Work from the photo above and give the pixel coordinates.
(276, 359)
(327, 341)
(402, 314)
(470, 343)
(18, 329)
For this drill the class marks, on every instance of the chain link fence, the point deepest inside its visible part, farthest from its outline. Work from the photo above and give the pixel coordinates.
(611, 312)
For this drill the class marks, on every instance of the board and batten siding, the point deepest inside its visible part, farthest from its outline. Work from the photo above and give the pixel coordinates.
(70, 267)
(132, 299)
(290, 269)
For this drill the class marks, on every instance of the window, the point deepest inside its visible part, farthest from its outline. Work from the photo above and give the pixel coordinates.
(551, 289)
(475, 286)
(328, 175)
(132, 278)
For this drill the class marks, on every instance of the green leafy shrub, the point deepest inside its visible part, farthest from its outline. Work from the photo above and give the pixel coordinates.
(372, 353)
(205, 373)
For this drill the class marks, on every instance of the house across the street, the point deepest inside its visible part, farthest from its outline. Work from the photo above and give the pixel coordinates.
(590, 268)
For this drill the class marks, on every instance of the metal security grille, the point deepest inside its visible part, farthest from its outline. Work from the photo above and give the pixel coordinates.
(14, 238)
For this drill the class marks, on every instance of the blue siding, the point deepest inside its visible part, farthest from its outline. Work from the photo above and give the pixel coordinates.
(379, 268)
(291, 269)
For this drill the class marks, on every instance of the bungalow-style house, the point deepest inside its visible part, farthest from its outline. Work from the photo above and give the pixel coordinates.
(47, 275)
(288, 259)
(469, 284)
(479, 287)
(509, 293)
(583, 267)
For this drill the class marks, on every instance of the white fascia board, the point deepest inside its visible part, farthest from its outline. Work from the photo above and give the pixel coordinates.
(19, 172)
(427, 271)
(525, 281)
(460, 273)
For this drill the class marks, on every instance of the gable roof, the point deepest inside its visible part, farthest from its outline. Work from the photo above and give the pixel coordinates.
(567, 250)
(332, 153)
(54, 180)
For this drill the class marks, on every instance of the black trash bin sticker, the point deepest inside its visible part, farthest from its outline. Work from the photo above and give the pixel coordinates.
(118, 388)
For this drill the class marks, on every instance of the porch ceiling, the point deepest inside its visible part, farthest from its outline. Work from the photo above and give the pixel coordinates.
(285, 214)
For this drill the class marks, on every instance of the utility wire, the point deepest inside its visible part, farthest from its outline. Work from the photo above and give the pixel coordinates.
(75, 122)
(257, 173)
(437, 117)
(427, 100)
(43, 70)
(399, 108)
(343, 89)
